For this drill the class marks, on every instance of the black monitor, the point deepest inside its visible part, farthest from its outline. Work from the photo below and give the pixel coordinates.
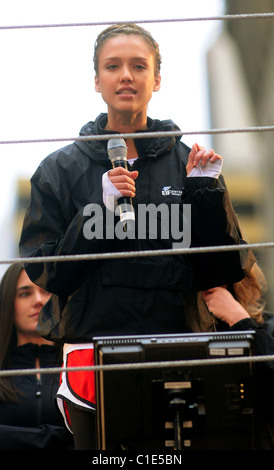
(193, 407)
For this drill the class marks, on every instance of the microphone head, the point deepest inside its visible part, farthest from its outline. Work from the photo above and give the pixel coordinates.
(117, 149)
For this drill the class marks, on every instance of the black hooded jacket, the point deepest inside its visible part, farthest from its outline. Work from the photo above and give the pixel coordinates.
(33, 422)
(140, 295)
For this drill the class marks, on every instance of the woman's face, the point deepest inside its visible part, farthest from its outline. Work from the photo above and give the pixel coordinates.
(126, 77)
(29, 299)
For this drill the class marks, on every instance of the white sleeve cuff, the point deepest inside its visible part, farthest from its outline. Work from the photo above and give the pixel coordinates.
(110, 193)
(211, 170)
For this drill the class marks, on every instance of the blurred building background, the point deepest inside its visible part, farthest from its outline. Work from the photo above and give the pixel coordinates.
(240, 80)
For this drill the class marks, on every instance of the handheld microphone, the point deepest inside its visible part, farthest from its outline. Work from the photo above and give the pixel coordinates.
(117, 153)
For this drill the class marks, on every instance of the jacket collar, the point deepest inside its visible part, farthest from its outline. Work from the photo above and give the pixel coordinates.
(148, 147)
(24, 356)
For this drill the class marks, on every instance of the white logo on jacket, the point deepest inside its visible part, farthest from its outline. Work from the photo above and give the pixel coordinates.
(167, 191)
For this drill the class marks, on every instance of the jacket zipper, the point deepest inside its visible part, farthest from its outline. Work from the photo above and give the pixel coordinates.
(38, 394)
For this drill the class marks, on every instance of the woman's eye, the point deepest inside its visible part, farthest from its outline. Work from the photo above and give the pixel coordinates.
(24, 294)
(111, 67)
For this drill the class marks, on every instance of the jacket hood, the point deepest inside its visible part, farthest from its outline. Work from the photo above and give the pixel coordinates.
(148, 147)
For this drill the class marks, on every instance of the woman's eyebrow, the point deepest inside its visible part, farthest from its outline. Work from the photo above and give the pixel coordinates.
(132, 58)
(24, 288)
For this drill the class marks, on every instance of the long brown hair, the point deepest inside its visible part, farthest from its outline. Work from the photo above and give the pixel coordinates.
(8, 337)
(249, 292)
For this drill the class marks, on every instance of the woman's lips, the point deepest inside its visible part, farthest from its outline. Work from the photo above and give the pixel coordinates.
(36, 314)
(126, 91)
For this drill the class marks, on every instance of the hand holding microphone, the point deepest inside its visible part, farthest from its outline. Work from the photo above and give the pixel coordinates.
(122, 179)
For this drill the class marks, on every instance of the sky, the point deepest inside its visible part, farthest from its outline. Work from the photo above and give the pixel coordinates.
(47, 77)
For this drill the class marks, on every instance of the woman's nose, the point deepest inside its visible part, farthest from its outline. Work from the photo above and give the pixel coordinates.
(39, 299)
(126, 75)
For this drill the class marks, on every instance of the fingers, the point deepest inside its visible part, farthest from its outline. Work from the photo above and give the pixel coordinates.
(207, 293)
(123, 180)
(193, 152)
(199, 154)
(213, 290)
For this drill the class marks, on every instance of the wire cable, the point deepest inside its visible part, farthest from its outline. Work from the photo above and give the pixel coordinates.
(136, 254)
(141, 135)
(140, 365)
(249, 16)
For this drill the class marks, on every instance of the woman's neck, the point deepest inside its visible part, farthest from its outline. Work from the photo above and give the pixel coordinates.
(34, 339)
(127, 124)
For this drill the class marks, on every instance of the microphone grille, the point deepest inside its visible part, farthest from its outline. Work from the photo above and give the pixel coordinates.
(117, 149)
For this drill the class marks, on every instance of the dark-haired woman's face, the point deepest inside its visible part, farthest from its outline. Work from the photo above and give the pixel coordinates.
(29, 299)
(126, 77)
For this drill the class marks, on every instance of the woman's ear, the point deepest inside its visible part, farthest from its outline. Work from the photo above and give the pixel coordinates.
(157, 84)
(97, 86)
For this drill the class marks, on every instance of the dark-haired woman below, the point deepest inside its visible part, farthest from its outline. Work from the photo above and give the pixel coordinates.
(28, 419)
